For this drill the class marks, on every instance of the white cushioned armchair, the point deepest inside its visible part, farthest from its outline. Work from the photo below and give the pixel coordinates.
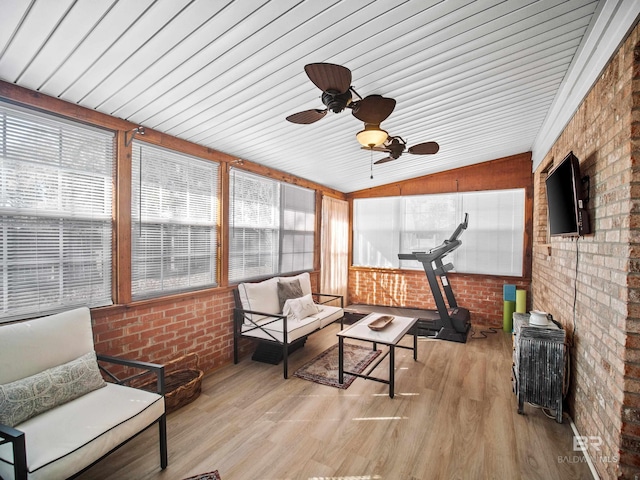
(57, 414)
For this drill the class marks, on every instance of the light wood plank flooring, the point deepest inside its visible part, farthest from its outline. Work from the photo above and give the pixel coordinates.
(454, 416)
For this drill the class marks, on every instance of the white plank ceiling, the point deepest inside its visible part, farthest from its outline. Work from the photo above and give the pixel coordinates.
(485, 79)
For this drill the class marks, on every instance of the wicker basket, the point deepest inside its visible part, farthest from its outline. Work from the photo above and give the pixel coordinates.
(182, 385)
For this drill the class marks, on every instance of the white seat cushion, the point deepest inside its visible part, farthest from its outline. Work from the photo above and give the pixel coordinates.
(66, 439)
(295, 329)
(328, 314)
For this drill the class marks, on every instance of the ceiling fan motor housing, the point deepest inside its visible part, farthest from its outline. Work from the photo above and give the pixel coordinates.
(336, 102)
(396, 147)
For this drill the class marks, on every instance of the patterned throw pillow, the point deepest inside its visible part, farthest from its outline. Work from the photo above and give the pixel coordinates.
(30, 396)
(287, 290)
(300, 308)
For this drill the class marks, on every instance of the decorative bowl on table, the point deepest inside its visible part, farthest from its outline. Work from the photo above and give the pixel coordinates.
(380, 322)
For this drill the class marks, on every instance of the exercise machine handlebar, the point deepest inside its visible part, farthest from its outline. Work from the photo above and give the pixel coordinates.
(446, 247)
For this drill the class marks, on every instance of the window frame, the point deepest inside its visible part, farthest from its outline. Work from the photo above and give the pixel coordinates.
(167, 225)
(241, 273)
(58, 165)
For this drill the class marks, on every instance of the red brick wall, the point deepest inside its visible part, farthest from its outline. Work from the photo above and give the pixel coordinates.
(481, 294)
(159, 331)
(165, 329)
(599, 273)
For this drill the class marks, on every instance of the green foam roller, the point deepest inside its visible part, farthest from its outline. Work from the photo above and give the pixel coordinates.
(521, 301)
(507, 316)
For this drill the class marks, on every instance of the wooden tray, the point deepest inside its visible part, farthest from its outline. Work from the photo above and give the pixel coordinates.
(380, 322)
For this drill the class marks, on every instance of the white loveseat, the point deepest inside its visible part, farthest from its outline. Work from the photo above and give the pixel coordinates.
(281, 311)
(58, 415)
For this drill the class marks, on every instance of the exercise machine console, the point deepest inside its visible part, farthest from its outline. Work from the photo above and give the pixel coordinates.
(450, 322)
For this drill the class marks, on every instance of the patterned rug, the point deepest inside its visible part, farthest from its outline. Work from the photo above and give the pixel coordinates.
(324, 368)
(206, 476)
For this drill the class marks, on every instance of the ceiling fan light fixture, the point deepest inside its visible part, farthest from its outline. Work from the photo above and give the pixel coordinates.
(371, 136)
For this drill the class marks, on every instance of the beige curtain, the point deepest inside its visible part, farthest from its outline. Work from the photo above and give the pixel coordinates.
(334, 249)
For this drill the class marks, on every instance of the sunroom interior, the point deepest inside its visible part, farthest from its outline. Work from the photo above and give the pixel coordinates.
(147, 169)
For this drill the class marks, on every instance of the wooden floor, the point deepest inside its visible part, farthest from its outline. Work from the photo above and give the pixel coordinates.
(454, 416)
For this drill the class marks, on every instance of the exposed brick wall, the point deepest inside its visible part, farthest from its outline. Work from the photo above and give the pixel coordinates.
(599, 273)
(165, 329)
(481, 294)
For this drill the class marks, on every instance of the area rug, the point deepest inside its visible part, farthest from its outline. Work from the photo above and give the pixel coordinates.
(206, 476)
(324, 368)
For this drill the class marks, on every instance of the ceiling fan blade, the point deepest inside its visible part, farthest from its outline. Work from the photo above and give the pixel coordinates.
(374, 109)
(307, 117)
(384, 160)
(426, 148)
(329, 77)
(375, 149)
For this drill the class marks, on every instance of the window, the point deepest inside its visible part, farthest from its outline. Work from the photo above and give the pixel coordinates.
(174, 219)
(494, 241)
(376, 225)
(56, 183)
(298, 216)
(272, 227)
(492, 244)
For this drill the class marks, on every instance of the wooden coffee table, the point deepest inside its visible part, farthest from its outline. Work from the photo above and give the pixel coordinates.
(389, 336)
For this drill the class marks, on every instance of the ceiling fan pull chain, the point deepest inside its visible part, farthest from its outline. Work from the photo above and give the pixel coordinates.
(372, 164)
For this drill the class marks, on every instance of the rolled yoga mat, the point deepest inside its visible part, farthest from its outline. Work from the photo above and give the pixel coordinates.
(507, 316)
(521, 301)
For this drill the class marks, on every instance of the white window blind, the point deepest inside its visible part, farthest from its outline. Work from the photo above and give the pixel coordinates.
(492, 244)
(272, 226)
(174, 220)
(56, 183)
(494, 241)
(298, 228)
(377, 226)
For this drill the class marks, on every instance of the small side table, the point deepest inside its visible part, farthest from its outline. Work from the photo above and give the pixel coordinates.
(389, 335)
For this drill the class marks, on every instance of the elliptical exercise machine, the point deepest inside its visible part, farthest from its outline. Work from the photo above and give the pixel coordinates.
(452, 323)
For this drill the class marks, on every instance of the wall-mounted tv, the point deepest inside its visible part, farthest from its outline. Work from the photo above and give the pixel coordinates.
(566, 205)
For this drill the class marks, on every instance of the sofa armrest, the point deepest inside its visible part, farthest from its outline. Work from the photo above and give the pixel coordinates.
(245, 316)
(331, 298)
(274, 316)
(266, 318)
(16, 438)
(148, 368)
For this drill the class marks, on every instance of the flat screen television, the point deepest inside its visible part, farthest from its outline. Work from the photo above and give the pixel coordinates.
(567, 214)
